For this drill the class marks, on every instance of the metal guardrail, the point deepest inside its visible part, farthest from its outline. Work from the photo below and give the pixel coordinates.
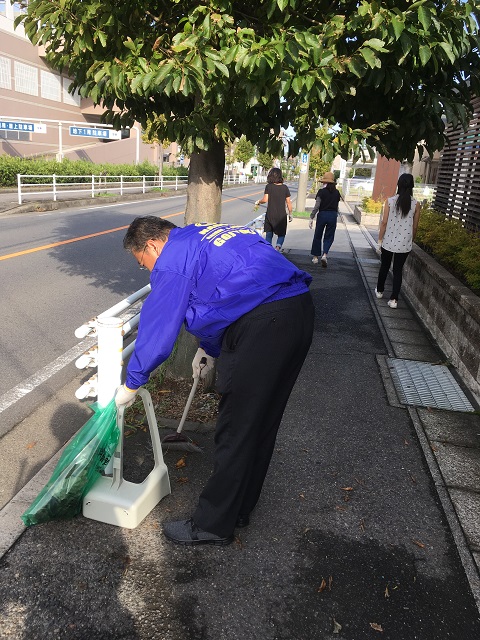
(93, 185)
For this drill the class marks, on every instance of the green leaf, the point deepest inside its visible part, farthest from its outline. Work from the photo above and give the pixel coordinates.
(297, 85)
(448, 50)
(425, 54)
(398, 26)
(357, 66)
(424, 15)
(369, 56)
(376, 44)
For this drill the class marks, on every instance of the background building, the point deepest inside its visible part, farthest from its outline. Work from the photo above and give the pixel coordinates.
(33, 93)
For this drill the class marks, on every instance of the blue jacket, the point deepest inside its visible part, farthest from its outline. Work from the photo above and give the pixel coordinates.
(207, 276)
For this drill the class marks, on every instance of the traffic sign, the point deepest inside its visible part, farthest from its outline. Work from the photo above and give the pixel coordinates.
(29, 127)
(95, 132)
(305, 157)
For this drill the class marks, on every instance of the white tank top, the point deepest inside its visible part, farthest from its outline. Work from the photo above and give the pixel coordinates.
(398, 236)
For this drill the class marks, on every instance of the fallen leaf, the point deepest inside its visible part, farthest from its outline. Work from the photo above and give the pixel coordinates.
(302, 496)
(180, 463)
(406, 442)
(337, 627)
(433, 448)
(182, 480)
(323, 586)
(418, 543)
(346, 497)
(375, 626)
(362, 524)
(330, 582)
(413, 479)
(387, 593)
(347, 488)
(30, 445)
(339, 508)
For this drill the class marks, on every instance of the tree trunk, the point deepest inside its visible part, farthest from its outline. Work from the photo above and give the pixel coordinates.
(204, 204)
(205, 180)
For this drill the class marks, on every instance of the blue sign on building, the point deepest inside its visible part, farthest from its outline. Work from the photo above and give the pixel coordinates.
(17, 126)
(94, 132)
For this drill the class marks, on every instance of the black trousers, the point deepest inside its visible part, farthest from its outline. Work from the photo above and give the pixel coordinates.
(262, 355)
(398, 263)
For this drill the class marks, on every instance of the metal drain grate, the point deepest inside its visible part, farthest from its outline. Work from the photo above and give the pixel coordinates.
(427, 385)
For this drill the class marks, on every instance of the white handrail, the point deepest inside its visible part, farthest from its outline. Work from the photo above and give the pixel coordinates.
(93, 185)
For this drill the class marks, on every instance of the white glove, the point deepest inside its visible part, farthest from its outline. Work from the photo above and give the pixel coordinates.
(310, 224)
(200, 368)
(125, 396)
(257, 202)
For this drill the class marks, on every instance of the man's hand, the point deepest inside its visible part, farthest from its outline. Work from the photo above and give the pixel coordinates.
(290, 217)
(125, 396)
(202, 368)
(310, 224)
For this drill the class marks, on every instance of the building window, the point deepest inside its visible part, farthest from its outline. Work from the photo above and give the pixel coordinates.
(6, 134)
(26, 79)
(20, 7)
(5, 73)
(51, 86)
(69, 98)
(3, 8)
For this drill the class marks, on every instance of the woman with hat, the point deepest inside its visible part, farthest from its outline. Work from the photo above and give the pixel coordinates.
(326, 210)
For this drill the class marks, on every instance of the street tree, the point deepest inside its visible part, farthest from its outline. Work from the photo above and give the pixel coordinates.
(388, 72)
(265, 160)
(244, 150)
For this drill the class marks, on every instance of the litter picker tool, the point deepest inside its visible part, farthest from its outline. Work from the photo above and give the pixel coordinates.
(178, 441)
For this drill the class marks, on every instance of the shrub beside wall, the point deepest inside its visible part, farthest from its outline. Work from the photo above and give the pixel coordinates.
(457, 249)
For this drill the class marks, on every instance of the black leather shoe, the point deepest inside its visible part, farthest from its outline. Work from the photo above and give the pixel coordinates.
(243, 521)
(186, 532)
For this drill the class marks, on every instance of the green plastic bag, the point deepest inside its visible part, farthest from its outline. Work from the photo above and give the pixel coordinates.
(78, 468)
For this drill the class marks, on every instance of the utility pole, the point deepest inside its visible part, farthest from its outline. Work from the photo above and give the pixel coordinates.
(302, 182)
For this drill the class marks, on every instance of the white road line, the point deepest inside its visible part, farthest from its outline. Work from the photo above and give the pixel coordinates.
(123, 204)
(32, 383)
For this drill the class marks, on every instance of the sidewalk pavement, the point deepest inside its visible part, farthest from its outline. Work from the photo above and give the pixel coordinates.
(368, 525)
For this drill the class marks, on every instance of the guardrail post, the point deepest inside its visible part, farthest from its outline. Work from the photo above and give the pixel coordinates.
(110, 347)
(143, 184)
(93, 186)
(54, 187)
(176, 183)
(19, 188)
(161, 181)
(121, 185)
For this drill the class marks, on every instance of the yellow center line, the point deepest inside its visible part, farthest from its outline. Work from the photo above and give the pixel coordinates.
(94, 235)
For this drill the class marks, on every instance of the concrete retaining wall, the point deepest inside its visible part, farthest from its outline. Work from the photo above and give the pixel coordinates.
(449, 310)
(366, 218)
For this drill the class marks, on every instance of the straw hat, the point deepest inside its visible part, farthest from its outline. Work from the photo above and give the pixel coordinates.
(328, 177)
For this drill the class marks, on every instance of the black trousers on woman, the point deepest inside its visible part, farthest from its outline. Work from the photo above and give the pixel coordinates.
(262, 354)
(398, 262)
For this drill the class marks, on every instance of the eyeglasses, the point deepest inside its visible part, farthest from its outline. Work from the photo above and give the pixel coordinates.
(140, 263)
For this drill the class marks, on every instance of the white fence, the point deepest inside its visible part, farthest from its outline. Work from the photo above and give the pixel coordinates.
(93, 186)
(358, 188)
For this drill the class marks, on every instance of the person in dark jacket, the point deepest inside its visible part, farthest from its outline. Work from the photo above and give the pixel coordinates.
(277, 197)
(326, 210)
(249, 307)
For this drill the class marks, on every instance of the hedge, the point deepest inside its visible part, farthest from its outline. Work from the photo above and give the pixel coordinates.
(10, 166)
(457, 249)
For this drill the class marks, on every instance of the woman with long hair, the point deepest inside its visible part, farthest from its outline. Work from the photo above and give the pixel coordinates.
(277, 197)
(397, 232)
(326, 210)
